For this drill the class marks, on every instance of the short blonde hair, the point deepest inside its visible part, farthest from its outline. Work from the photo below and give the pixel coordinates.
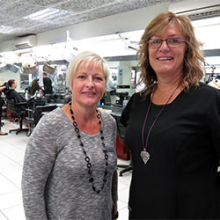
(193, 59)
(86, 57)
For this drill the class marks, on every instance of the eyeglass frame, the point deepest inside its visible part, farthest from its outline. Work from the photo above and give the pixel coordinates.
(179, 39)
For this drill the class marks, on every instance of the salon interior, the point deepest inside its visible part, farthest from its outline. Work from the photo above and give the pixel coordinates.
(44, 36)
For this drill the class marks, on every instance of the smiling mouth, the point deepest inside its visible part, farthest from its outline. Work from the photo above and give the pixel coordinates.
(165, 58)
(88, 93)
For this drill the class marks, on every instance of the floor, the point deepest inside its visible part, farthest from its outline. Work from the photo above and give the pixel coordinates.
(12, 149)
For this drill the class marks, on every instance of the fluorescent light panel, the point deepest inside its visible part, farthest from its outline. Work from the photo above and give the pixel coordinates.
(48, 14)
(7, 29)
(206, 22)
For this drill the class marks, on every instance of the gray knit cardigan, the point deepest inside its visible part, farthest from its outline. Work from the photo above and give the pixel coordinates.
(55, 180)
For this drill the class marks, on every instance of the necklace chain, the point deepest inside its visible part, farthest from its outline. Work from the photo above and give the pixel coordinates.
(144, 154)
(87, 158)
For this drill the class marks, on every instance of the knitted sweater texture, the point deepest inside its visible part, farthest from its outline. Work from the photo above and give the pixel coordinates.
(55, 181)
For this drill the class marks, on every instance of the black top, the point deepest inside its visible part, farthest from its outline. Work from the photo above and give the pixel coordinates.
(12, 94)
(47, 85)
(179, 180)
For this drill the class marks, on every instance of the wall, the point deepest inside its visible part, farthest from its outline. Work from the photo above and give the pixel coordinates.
(5, 76)
(128, 21)
(125, 67)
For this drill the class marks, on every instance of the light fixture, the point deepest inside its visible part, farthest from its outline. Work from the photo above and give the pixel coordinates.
(48, 14)
(202, 13)
(7, 29)
(48, 68)
(206, 22)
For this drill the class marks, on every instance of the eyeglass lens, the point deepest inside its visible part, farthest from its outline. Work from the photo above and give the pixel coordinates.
(171, 42)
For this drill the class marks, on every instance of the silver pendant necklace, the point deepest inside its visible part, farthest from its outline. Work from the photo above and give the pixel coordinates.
(145, 156)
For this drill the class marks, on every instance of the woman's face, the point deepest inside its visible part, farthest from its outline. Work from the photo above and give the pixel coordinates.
(14, 84)
(88, 85)
(165, 60)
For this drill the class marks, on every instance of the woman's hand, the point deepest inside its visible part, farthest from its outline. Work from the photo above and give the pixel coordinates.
(116, 210)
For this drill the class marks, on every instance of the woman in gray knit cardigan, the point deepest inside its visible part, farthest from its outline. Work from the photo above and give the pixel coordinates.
(70, 162)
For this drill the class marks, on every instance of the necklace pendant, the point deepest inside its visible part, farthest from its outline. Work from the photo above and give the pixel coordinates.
(145, 156)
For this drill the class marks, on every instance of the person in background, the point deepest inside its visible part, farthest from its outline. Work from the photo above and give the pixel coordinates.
(2, 87)
(13, 94)
(173, 127)
(34, 87)
(72, 176)
(48, 89)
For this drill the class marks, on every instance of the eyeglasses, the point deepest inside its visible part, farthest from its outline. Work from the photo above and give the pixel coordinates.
(171, 42)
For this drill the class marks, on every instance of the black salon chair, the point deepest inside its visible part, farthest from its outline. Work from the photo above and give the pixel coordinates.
(35, 113)
(121, 134)
(42, 110)
(30, 118)
(19, 111)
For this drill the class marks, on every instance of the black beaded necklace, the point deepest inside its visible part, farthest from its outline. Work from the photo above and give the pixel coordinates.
(87, 159)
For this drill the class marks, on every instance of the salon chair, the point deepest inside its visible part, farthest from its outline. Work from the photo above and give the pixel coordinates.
(42, 110)
(120, 142)
(30, 117)
(19, 111)
(35, 114)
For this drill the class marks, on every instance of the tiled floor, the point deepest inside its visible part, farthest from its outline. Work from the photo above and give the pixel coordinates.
(12, 148)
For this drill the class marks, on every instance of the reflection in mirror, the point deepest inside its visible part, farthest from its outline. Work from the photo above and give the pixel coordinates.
(60, 79)
(124, 77)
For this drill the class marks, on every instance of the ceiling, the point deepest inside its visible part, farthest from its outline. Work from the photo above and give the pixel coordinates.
(24, 17)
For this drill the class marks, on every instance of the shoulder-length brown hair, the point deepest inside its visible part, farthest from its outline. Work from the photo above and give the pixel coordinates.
(193, 59)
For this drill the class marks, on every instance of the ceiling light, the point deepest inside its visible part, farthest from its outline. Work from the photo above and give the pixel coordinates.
(7, 29)
(201, 13)
(206, 22)
(48, 14)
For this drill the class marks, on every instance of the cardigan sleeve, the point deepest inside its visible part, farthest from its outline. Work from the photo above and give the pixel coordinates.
(115, 186)
(39, 159)
(115, 174)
